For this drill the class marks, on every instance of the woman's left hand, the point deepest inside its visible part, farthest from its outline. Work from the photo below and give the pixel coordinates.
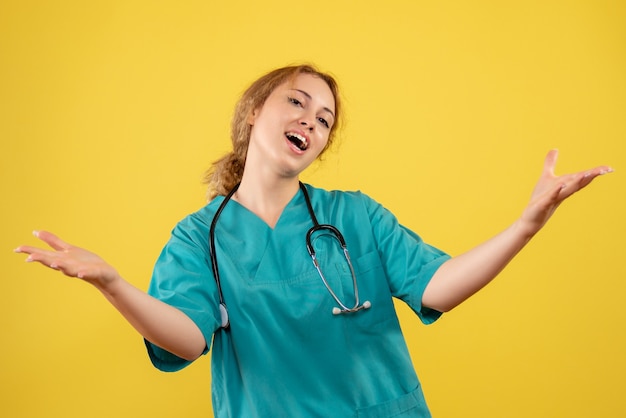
(462, 276)
(551, 190)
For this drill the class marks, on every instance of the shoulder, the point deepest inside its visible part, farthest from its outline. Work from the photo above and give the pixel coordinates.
(202, 217)
(355, 207)
(340, 197)
(350, 209)
(195, 226)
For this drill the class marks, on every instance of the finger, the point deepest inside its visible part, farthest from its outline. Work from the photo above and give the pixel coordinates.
(55, 261)
(40, 255)
(587, 177)
(46, 258)
(52, 240)
(599, 171)
(582, 179)
(27, 249)
(575, 182)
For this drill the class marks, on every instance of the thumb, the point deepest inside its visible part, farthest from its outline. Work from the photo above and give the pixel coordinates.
(549, 163)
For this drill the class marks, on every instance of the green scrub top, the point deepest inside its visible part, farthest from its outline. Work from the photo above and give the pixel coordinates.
(285, 353)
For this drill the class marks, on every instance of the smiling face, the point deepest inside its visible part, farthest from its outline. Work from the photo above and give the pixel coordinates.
(292, 127)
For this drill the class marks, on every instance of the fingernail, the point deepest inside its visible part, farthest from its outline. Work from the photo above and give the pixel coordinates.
(17, 250)
(29, 259)
(36, 233)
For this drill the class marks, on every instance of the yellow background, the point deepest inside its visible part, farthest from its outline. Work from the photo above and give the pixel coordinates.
(110, 111)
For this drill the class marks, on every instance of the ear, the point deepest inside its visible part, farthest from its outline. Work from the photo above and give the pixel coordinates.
(252, 117)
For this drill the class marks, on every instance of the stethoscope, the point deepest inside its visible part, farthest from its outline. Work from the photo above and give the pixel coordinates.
(341, 309)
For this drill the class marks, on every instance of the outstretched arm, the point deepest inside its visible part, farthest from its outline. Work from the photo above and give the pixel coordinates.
(463, 275)
(158, 322)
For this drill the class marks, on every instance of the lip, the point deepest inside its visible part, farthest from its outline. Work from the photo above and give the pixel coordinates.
(300, 133)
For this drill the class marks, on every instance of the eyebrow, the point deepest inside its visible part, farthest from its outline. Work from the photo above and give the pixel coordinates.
(310, 98)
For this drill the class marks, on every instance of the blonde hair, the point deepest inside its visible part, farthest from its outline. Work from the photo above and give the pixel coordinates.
(226, 172)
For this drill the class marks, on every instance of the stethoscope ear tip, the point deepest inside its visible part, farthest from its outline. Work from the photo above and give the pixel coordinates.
(336, 311)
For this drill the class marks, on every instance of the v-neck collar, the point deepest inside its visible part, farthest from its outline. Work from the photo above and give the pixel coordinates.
(286, 215)
(252, 245)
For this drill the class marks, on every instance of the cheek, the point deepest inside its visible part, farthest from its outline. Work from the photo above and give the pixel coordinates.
(325, 142)
(272, 119)
(266, 132)
(323, 145)
(261, 126)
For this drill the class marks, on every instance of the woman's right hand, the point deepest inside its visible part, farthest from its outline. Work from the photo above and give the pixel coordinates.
(158, 322)
(70, 260)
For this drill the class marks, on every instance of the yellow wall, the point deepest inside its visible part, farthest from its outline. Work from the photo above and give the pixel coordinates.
(111, 110)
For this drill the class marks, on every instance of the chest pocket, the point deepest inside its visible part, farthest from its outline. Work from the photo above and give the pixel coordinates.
(411, 405)
(372, 287)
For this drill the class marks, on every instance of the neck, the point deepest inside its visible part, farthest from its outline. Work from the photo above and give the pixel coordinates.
(266, 199)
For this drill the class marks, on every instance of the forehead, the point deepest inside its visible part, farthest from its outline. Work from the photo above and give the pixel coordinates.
(315, 87)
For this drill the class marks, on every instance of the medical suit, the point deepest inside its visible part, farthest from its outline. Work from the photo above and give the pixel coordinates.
(285, 353)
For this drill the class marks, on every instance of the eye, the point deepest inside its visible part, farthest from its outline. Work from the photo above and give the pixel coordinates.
(323, 122)
(295, 101)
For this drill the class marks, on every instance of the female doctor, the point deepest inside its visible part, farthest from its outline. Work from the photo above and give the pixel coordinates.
(298, 324)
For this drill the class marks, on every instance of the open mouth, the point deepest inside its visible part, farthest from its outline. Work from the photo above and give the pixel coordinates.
(298, 140)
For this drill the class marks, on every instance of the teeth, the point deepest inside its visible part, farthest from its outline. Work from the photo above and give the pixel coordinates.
(301, 141)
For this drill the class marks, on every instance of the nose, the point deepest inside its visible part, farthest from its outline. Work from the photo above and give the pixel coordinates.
(307, 125)
(307, 120)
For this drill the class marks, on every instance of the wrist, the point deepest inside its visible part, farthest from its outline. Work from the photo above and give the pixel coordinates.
(108, 282)
(525, 229)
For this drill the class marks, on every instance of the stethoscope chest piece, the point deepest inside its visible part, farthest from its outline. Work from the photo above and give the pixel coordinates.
(224, 316)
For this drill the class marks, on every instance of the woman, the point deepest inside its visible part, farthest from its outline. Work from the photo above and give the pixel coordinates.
(292, 337)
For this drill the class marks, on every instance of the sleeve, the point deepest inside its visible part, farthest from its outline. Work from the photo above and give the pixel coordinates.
(409, 262)
(182, 277)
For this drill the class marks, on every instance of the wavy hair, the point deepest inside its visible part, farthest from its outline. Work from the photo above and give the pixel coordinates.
(226, 172)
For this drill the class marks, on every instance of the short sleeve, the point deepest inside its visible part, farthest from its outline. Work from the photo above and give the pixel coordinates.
(409, 262)
(182, 277)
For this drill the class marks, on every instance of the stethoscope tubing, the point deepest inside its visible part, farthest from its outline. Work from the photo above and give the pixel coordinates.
(225, 322)
(318, 227)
